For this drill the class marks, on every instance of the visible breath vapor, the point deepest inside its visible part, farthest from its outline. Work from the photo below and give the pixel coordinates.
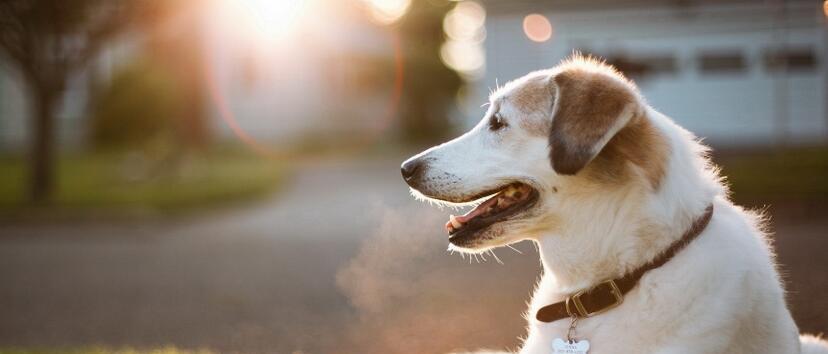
(410, 295)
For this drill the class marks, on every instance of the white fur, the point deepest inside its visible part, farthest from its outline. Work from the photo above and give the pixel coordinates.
(721, 294)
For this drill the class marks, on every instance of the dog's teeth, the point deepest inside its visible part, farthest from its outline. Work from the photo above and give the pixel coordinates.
(454, 222)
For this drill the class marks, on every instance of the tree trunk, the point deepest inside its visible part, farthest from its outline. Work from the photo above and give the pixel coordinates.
(42, 159)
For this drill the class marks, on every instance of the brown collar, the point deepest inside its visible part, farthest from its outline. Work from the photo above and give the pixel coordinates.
(610, 293)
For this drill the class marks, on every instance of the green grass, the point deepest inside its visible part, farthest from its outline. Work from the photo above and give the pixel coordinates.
(112, 182)
(98, 350)
(793, 174)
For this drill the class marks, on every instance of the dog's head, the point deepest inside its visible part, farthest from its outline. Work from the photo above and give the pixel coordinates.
(548, 139)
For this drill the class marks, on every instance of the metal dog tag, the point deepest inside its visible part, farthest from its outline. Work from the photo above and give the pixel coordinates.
(561, 346)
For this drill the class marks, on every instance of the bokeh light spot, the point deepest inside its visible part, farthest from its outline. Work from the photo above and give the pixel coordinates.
(464, 26)
(537, 28)
(466, 22)
(467, 58)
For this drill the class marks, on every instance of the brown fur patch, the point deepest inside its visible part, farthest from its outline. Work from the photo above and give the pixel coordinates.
(643, 145)
(589, 105)
(639, 143)
(592, 97)
(534, 95)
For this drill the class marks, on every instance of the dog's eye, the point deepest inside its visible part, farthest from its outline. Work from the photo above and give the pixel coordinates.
(496, 122)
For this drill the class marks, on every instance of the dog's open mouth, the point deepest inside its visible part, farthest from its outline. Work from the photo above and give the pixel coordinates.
(504, 203)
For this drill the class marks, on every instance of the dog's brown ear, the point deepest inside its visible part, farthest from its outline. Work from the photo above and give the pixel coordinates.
(590, 107)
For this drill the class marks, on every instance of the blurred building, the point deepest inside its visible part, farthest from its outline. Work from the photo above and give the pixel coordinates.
(744, 73)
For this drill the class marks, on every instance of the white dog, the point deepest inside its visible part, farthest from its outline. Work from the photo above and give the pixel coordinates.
(642, 250)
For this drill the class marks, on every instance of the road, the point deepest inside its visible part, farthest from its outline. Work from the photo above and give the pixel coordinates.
(341, 261)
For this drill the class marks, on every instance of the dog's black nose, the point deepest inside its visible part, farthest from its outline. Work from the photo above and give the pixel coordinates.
(410, 169)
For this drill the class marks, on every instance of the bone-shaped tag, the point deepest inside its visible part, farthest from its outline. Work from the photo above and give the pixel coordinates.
(561, 346)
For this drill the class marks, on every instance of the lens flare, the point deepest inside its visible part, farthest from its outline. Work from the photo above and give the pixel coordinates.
(218, 96)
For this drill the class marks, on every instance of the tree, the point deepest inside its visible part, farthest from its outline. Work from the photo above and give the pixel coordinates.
(429, 86)
(48, 41)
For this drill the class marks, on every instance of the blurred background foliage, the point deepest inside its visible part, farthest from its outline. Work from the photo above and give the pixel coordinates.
(137, 107)
(427, 104)
(785, 176)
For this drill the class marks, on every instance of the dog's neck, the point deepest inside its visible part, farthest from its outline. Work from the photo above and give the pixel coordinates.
(606, 235)
(606, 243)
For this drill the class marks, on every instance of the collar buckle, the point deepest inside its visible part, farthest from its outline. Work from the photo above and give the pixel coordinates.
(582, 311)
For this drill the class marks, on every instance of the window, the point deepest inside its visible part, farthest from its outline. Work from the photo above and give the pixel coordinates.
(644, 66)
(789, 59)
(640, 65)
(722, 62)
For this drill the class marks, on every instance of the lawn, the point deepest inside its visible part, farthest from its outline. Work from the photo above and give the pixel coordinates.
(120, 182)
(797, 174)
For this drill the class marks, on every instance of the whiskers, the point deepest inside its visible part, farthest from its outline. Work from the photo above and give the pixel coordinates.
(514, 249)
(491, 251)
(478, 257)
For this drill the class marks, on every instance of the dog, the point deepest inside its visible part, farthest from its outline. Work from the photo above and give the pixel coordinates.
(642, 250)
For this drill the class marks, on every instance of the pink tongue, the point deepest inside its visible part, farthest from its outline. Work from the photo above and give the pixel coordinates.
(480, 209)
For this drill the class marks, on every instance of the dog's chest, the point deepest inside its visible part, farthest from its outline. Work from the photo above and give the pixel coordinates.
(603, 334)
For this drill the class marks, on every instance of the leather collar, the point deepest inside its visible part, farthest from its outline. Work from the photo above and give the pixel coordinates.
(609, 294)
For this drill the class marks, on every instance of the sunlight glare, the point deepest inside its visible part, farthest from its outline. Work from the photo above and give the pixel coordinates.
(386, 12)
(267, 20)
